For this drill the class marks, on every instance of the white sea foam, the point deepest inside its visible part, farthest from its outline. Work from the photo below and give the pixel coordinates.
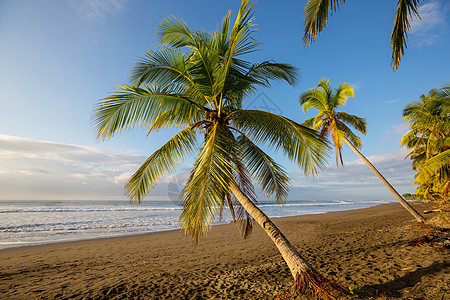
(38, 222)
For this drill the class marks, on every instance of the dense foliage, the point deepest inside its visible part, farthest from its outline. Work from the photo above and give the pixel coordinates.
(429, 140)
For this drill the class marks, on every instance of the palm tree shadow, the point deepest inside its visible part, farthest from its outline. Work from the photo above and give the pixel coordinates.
(409, 280)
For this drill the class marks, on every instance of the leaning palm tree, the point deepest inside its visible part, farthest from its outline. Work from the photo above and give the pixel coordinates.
(317, 13)
(197, 82)
(335, 124)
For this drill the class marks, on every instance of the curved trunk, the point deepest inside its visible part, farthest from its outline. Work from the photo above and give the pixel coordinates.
(397, 196)
(306, 279)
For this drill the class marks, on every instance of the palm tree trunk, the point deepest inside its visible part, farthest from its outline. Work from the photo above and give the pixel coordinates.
(306, 279)
(400, 199)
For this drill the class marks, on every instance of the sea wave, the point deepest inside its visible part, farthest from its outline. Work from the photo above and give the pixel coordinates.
(84, 209)
(85, 226)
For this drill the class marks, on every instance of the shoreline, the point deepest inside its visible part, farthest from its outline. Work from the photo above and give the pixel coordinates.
(366, 248)
(119, 235)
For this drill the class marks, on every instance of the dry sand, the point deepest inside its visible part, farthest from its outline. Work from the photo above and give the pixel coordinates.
(368, 249)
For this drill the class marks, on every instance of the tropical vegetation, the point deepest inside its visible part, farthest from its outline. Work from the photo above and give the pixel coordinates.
(335, 124)
(317, 13)
(429, 141)
(197, 81)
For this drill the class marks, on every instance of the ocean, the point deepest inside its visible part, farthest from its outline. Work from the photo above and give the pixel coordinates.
(25, 223)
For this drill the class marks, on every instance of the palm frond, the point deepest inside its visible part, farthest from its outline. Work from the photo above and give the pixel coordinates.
(135, 106)
(309, 122)
(160, 163)
(181, 115)
(174, 32)
(347, 133)
(221, 34)
(240, 40)
(341, 94)
(272, 178)
(239, 43)
(406, 9)
(355, 121)
(269, 70)
(314, 98)
(161, 67)
(203, 195)
(445, 92)
(245, 185)
(433, 165)
(299, 143)
(316, 17)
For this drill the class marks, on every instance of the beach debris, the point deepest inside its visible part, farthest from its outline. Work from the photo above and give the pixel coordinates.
(437, 238)
(432, 210)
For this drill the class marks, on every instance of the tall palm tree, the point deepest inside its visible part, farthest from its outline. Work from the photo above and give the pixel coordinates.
(317, 13)
(429, 140)
(335, 123)
(197, 81)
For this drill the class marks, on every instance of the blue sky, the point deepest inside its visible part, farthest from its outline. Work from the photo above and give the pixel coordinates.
(59, 57)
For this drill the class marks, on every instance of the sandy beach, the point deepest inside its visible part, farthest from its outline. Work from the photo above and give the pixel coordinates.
(367, 249)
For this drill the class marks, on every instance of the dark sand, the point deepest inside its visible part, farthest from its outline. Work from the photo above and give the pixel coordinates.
(368, 249)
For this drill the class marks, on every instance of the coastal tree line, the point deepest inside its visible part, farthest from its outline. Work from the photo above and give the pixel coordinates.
(198, 81)
(429, 141)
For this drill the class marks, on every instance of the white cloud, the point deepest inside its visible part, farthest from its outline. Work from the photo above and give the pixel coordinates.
(122, 178)
(356, 180)
(431, 25)
(33, 169)
(397, 131)
(94, 9)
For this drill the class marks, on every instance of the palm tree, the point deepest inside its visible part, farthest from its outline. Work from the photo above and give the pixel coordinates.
(318, 11)
(197, 82)
(429, 140)
(335, 123)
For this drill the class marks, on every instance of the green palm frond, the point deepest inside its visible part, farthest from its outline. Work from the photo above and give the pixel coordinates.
(272, 178)
(135, 106)
(174, 33)
(349, 135)
(317, 13)
(269, 70)
(433, 165)
(314, 98)
(239, 43)
(161, 67)
(341, 94)
(242, 175)
(160, 163)
(355, 121)
(309, 122)
(406, 9)
(206, 71)
(181, 115)
(240, 40)
(221, 34)
(245, 185)
(203, 195)
(299, 143)
(411, 139)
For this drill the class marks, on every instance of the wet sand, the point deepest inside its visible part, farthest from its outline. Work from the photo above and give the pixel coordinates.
(367, 249)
